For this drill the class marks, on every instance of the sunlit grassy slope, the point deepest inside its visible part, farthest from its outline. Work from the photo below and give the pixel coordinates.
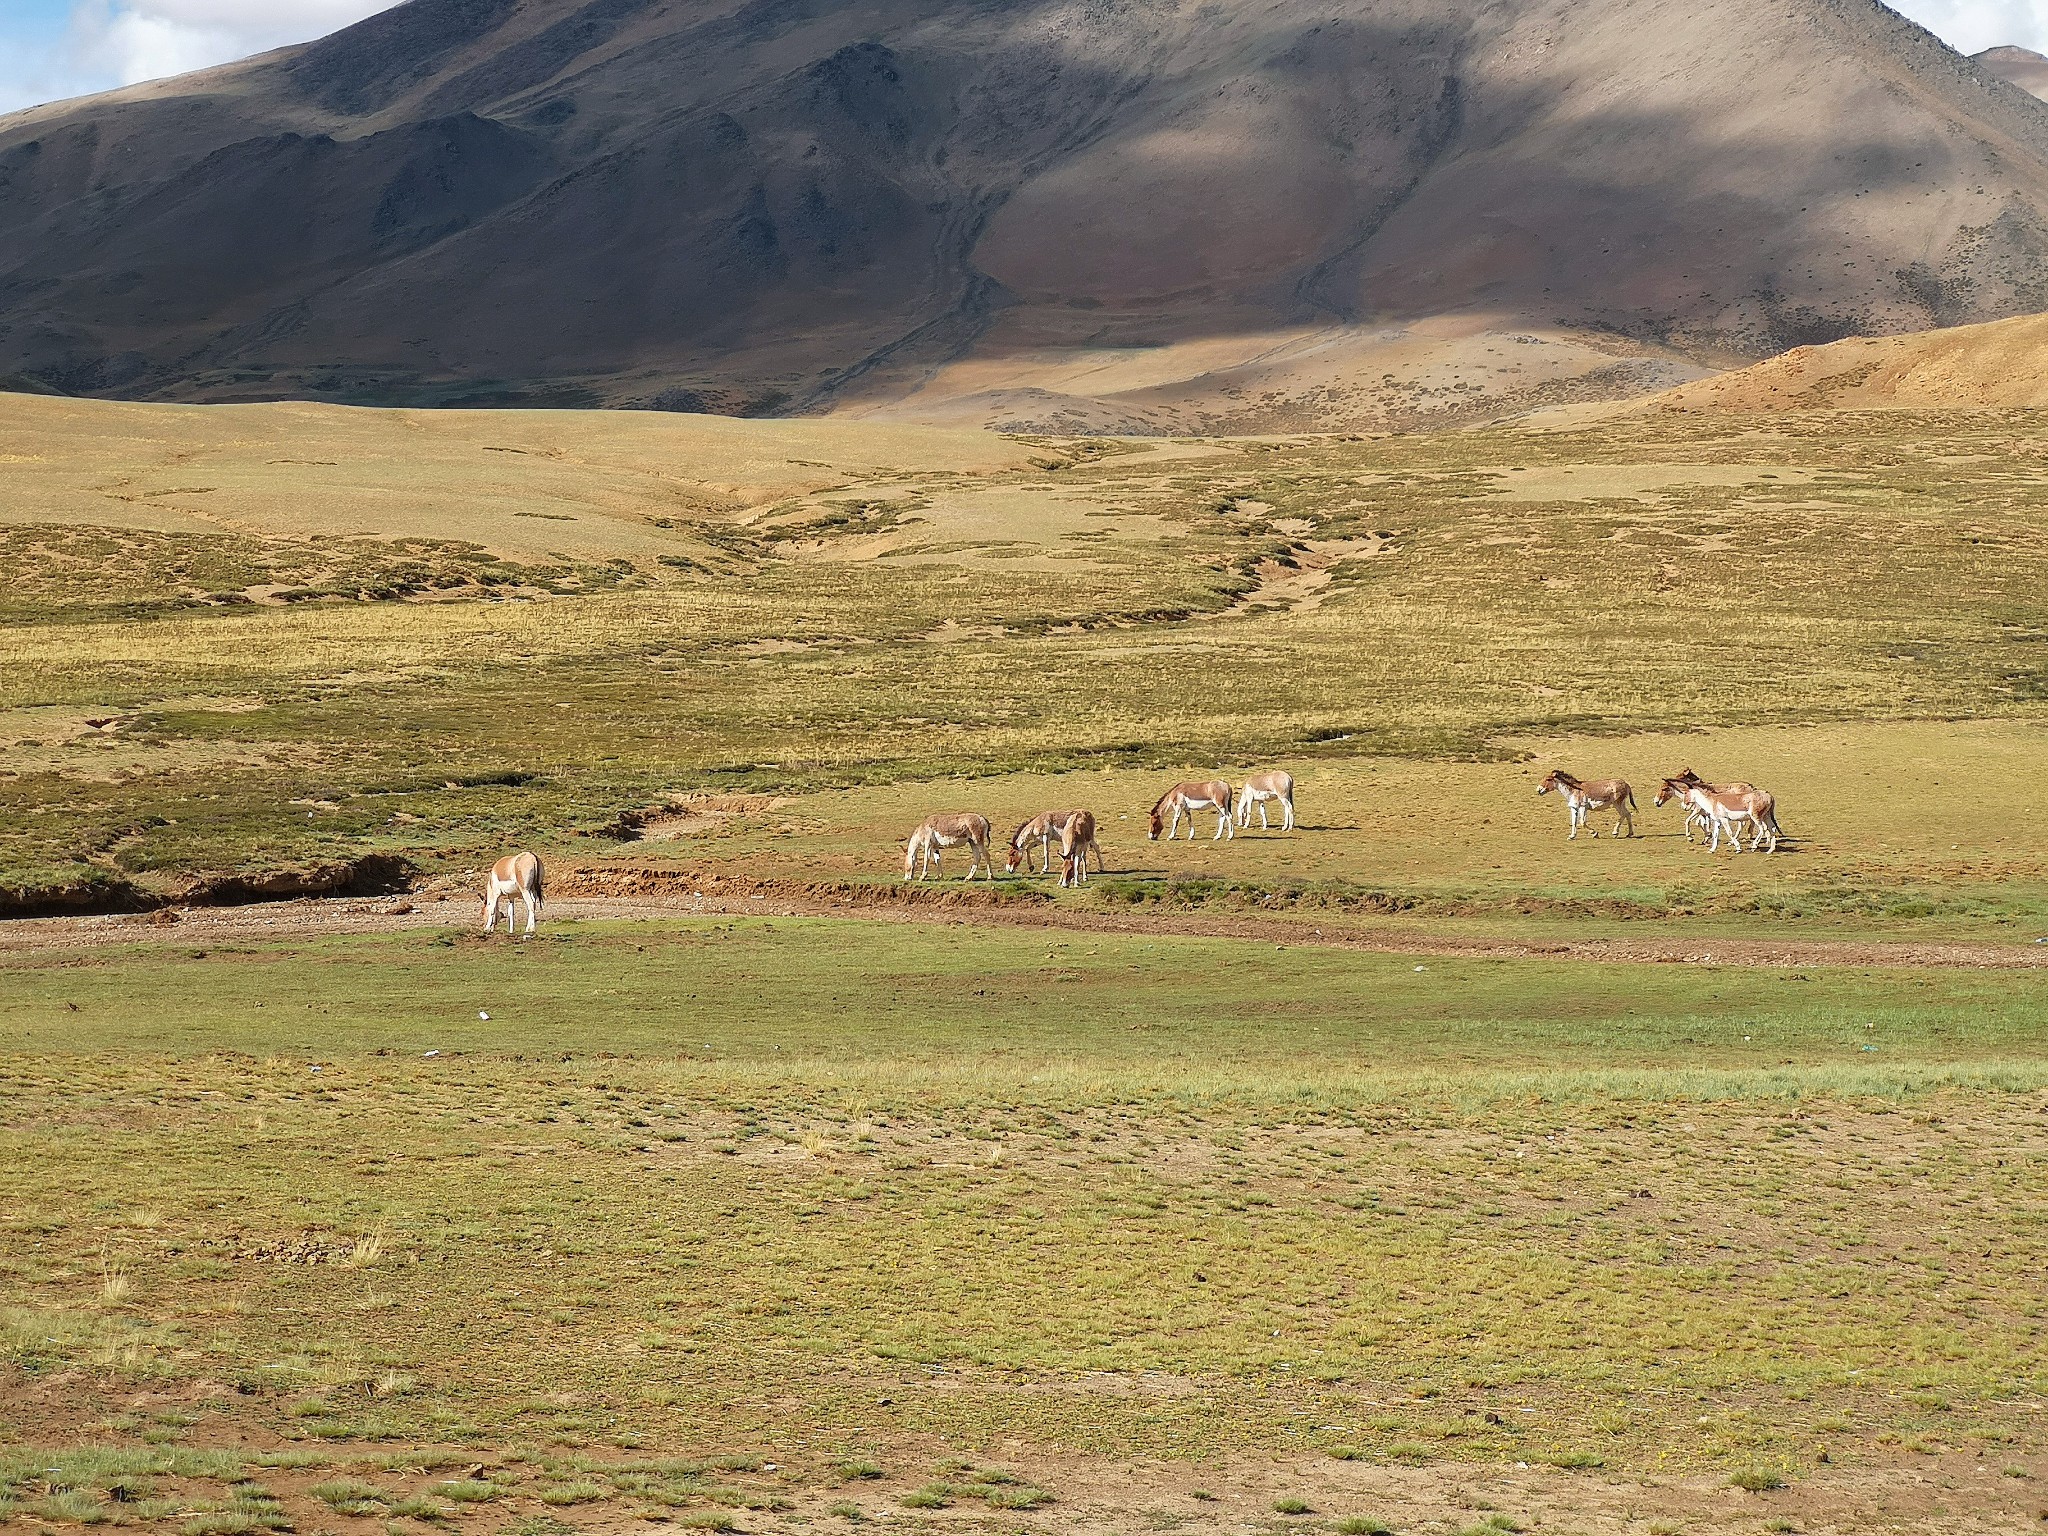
(1161, 606)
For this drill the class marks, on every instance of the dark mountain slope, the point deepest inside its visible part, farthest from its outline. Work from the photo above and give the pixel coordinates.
(1142, 214)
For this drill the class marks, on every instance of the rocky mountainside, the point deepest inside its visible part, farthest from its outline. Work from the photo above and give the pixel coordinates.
(1137, 214)
(2022, 66)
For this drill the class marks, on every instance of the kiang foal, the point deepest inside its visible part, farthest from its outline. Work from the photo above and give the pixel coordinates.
(1582, 797)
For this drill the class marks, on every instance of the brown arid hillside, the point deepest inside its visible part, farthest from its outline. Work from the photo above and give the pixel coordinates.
(2022, 66)
(2000, 364)
(1149, 216)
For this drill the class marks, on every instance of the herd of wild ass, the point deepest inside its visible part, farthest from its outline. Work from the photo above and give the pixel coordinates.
(1713, 810)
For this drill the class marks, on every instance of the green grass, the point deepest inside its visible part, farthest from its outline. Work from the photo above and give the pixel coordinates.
(716, 1217)
(959, 1168)
(1869, 590)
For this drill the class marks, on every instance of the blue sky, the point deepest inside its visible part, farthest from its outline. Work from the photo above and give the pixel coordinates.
(55, 48)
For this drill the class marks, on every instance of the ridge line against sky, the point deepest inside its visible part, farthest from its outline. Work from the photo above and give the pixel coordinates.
(52, 49)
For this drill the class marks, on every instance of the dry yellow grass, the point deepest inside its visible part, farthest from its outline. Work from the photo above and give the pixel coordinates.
(2003, 363)
(1177, 606)
(589, 485)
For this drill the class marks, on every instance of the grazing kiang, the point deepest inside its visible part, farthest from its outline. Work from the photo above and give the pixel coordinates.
(1724, 808)
(1187, 799)
(949, 830)
(1045, 829)
(1077, 840)
(516, 877)
(1582, 797)
(1260, 788)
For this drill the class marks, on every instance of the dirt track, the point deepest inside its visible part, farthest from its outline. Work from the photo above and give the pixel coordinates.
(612, 892)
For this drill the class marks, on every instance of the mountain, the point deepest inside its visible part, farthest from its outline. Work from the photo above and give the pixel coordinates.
(2022, 66)
(2003, 363)
(1084, 214)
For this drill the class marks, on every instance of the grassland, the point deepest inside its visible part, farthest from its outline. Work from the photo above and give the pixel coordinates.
(1444, 598)
(796, 1223)
(702, 1199)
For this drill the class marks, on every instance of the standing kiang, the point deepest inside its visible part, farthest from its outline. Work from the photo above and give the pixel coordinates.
(516, 877)
(1186, 799)
(1724, 808)
(1260, 788)
(949, 829)
(1077, 841)
(1044, 829)
(1582, 797)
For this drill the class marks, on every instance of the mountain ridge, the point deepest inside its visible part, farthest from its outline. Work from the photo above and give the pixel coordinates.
(1145, 215)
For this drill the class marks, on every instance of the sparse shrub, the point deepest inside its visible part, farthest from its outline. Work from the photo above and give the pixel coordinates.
(1292, 1506)
(560, 1494)
(470, 1490)
(709, 1520)
(421, 1507)
(116, 1285)
(846, 1509)
(1756, 1480)
(930, 1496)
(853, 1471)
(345, 1496)
(1017, 1498)
(1574, 1460)
(1348, 1453)
(77, 1505)
(1363, 1525)
(234, 1522)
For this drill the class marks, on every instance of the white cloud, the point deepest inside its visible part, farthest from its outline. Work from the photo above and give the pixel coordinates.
(119, 42)
(1970, 26)
(147, 39)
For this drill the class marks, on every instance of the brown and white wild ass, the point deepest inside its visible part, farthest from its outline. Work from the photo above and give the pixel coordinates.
(1725, 808)
(514, 878)
(1696, 815)
(1260, 788)
(1077, 837)
(1190, 798)
(949, 830)
(1582, 797)
(1044, 829)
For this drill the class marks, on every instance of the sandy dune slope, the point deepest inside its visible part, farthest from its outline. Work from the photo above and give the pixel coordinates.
(2004, 363)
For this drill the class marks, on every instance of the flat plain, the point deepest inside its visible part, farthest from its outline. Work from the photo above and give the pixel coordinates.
(1311, 1181)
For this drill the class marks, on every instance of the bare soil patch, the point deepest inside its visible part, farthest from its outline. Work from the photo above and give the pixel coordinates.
(626, 892)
